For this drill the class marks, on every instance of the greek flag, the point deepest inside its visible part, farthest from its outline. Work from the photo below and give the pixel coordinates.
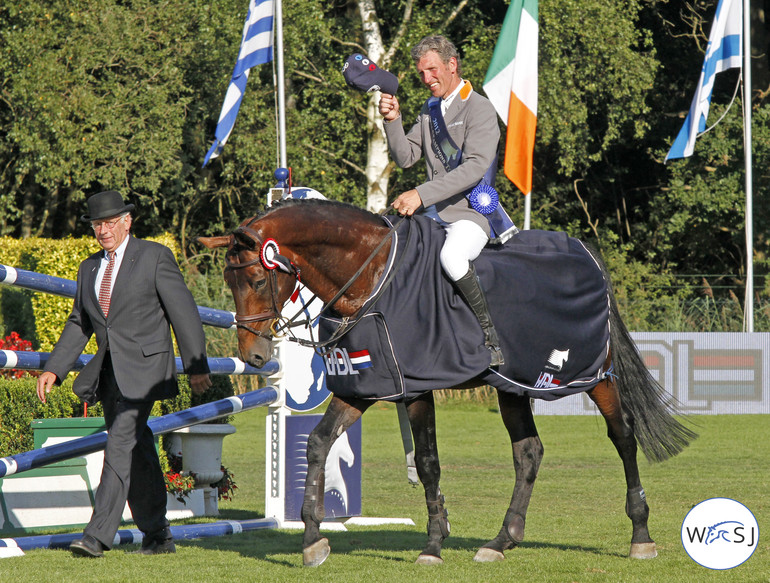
(256, 49)
(723, 52)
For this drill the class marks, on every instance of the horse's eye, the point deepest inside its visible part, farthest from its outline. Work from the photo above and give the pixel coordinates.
(257, 285)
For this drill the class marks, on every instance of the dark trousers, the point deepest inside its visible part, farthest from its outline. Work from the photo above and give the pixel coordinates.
(131, 470)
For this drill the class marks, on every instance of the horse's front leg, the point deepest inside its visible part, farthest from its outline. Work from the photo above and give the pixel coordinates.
(339, 416)
(527, 455)
(422, 418)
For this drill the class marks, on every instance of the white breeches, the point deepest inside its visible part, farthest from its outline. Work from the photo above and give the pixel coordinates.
(464, 242)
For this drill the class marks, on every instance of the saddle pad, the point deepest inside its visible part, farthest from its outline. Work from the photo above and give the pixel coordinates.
(548, 300)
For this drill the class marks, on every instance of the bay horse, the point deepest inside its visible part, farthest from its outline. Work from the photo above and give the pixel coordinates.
(339, 252)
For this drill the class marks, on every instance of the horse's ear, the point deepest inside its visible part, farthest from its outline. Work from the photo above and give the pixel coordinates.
(214, 242)
(244, 239)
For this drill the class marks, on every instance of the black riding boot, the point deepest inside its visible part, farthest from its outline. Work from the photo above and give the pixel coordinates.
(469, 287)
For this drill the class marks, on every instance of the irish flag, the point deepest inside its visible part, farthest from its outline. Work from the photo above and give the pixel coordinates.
(511, 85)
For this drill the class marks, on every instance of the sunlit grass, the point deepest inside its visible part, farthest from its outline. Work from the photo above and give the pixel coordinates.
(577, 529)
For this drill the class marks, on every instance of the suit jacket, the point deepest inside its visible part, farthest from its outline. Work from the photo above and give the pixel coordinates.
(149, 294)
(472, 123)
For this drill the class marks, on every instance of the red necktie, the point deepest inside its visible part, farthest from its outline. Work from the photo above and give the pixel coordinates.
(104, 288)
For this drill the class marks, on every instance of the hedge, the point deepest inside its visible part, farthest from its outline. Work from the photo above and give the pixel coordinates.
(19, 405)
(40, 317)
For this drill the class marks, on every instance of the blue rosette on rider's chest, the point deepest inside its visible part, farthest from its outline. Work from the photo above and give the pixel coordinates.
(484, 199)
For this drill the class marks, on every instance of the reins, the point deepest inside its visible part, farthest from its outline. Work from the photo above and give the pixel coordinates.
(347, 323)
(280, 324)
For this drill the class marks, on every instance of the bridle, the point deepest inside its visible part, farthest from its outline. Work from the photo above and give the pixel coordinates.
(274, 313)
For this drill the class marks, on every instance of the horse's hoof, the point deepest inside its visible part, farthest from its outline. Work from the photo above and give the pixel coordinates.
(316, 554)
(429, 560)
(485, 555)
(643, 551)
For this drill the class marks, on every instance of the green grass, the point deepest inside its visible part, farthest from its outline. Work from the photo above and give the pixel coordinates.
(576, 527)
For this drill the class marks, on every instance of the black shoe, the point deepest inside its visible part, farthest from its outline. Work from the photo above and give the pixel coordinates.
(157, 547)
(87, 546)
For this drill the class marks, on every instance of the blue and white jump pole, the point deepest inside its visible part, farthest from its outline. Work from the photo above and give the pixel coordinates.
(67, 287)
(24, 360)
(10, 359)
(167, 423)
(17, 546)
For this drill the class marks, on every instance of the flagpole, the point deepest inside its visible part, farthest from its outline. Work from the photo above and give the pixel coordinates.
(748, 310)
(281, 93)
(527, 210)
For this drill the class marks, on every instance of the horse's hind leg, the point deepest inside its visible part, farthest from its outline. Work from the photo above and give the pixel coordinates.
(527, 455)
(339, 416)
(621, 432)
(422, 418)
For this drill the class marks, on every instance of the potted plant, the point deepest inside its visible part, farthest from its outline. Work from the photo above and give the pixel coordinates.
(194, 454)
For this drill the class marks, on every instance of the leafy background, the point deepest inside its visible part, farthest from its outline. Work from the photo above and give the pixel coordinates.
(125, 94)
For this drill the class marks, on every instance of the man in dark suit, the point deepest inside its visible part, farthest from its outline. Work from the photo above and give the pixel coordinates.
(128, 295)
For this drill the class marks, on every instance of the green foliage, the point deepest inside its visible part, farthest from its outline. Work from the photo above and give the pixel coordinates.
(645, 296)
(596, 67)
(49, 313)
(19, 405)
(126, 94)
(16, 312)
(104, 100)
(221, 388)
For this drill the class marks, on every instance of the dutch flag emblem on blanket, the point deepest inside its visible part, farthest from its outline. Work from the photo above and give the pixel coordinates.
(360, 359)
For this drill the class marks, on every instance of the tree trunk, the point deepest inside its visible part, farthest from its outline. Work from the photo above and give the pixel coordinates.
(377, 168)
(28, 212)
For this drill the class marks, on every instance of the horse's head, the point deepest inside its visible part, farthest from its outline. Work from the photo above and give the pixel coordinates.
(261, 281)
(329, 241)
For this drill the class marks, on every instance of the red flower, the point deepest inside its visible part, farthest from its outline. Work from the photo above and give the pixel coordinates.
(15, 342)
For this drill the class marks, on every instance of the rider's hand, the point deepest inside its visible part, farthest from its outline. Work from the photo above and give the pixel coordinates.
(407, 202)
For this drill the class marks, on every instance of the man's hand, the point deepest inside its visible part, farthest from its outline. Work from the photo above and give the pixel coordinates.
(198, 383)
(389, 107)
(407, 202)
(44, 383)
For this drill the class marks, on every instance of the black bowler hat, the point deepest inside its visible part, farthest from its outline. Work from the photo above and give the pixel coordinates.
(104, 205)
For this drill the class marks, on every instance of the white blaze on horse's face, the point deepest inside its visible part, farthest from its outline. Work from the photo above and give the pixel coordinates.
(259, 295)
(251, 294)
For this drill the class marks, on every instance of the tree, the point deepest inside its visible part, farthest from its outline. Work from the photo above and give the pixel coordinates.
(126, 93)
(91, 97)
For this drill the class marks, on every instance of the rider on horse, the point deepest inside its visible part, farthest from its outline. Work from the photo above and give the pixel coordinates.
(458, 134)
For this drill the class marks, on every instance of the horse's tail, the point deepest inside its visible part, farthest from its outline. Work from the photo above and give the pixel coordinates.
(650, 410)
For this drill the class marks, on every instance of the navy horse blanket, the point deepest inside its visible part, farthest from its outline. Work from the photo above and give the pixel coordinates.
(548, 300)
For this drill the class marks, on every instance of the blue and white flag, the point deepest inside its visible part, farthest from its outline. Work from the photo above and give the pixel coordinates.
(256, 49)
(723, 52)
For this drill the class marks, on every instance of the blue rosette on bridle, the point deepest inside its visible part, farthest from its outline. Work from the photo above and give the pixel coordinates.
(484, 199)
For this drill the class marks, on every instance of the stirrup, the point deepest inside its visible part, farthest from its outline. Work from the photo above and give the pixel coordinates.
(496, 354)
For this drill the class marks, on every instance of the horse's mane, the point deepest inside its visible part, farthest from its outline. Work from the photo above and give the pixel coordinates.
(322, 205)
